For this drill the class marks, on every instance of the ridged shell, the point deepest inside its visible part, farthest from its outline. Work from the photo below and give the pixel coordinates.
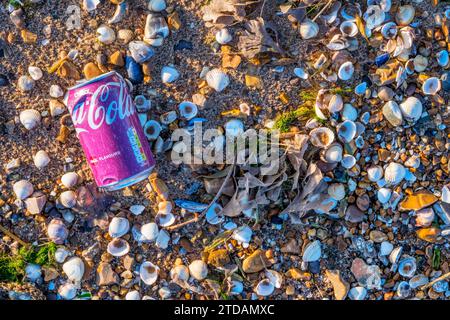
(30, 118)
(334, 153)
(149, 232)
(148, 272)
(346, 131)
(223, 36)
(69, 179)
(41, 159)
(23, 189)
(308, 29)
(180, 272)
(133, 295)
(264, 288)
(312, 252)
(407, 267)
(375, 173)
(198, 269)
(392, 113)
(57, 231)
(321, 137)
(394, 173)
(346, 71)
(74, 269)
(106, 34)
(118, 247)
(118, 227)
(383, 195)
(217, 79)
(431, 86)
(68, 199)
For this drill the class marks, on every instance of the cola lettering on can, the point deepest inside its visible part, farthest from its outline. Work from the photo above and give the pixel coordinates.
(109, 130)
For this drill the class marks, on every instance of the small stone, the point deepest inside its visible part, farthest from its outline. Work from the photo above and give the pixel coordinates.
(418, 201)
(36, 203)
(357, 293)
(28, 36)
(218, 258)
(56, 91)
(340, 286)
(25, 83)
(377, 236)
(297, 274)
(256, 262)
(56, 108)
(353, 214)
(291, 247)
(91, 71)
(106, 275)
(363, 202)
(68, 71)
(117, 59)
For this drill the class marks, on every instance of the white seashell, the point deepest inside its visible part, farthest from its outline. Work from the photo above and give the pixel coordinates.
(74, 269)
(165, 207)
(349, 112)
(301, 73)
(393, 113)
(57, 231)
(90, 5)
(312, 252)
(234, 128)
(431, 86)
(395, 255)
(169, 74)
(242, 234)
(321, 137)
(424, 217)
(223, 36)
(149, 231)
(68, 199)
(217, 79)
(33, 272)
(25, 83)
(56, 91)
(69, 179)
(118, 247)
(137, 209)
(445, 197)
(133, 295)
(275, 278)
(373, 17)
(346, 71)
(67, 291)
(405, 15)
(336, 103)
(336, 191)
(443, 58)
(383, 195)
(157, 5)
(334, 153)
(118, 227)
(180, 272)
(165, 219)
(407, 267)
(375, 173)
(264, 288)
(349, 28)
(35, 73)
(162, 241)
(413, 162)
(106, 34)
(394, 173)
(23, 189)
(348, 161)
(198, 269)
(30, 118)
(389, 30)
(148, 272)
(308, 29)
(188, 110)
(212, 215)
(346, 131)
(41, 159)
(152, 129)
(156, 29)
(386, 248)
(61, 254)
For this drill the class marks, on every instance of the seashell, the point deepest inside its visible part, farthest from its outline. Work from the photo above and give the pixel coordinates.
(56, 108)
(168, 117)
(445, 196)
(361, 88)
(389, 30)
(383, 195)
(140, 51)
(338, 42)
(180, 272)
(357, 293)
(30, 118)
(118, 227)
(68, 199)
(440, 286)
(393, 113)
(198, 269)
(157, 5)
(275, 278)
(165, 219)
(312, 251)
(431, 86)
(321, 137)
(411, 109)
(118, 247)
(74, 269)
(236, 287)
(242, 234)
(165, 207)
(90, 5)
(336, 191)
(41, 159)
(23, 189)
(133, 295)
(149, 232)
(234, 128)
(375, 173)
(349, 112)
(346, 131)
(152, 129)
(418, 281)
(35, 73)
(120, 13)
(125, 35)
(134, 70)
(301, 73)
(56, 91)
(395, 255)
(33, 272)
(382, 59)
(403, 290)
(346, 71)
(67, 291)
(334, 153)
(348, 161)
(137, 209)
(69, 179)
(308, 29)
(349, 28)
(25, 83)
(223, 36)
(264, 288)
(407, 267)
(386, 248)
(217, 79)
(405, 15)
(162, 241)
(335, 104)
(443, 58)
(420, 63)
(61, 254)
(350, 10)
(57, 231)
(106, 34)
(148, 272)
(394, 173)
(169, 74)
(424, 217)
(212, 214)
(373, 17)
(156, 29)
(191, 206)
(188, 110)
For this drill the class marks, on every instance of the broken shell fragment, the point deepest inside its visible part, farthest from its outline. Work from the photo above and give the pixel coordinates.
(312, 252)
(336, 191)
(120, 13)
(67, 291)
(348, 161)
(156, 29)
(118, 227)
(213, 216)
(169, 74)
(23, 189)
(234, 128)
(148, 272)
(431, 86)
(140, 51)
(198, 269)
(321, 137)
(308, 29)
(188, 110)
(384, 195)
(411, 109)
(424, 217)
(223, 36)
(30, 118)
(165, 219)
(335, 104)
(57, 231)
(389, 30)
(217, 79)
(25, 83)
(41, 159)
(157, 5)
(118, 247)
(394, 173)
(106, 35)
(349, 28)
(443, 58)
(35, 73)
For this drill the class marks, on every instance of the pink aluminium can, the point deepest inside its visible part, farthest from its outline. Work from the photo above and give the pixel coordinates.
(109, 131)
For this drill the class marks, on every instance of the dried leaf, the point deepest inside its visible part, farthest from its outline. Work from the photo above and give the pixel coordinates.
(361, 28)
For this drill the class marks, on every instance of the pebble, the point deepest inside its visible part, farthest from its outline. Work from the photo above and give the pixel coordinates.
(255, 262)
(340, 286)
(91, 71)
(106, 275)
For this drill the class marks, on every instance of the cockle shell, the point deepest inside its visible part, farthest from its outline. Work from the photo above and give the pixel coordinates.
(106, 34)
(188, 110)
(118, 247)
(198, 269)
(264, 288)
(407, 267)
(23, 189)
(223, 36)
(35, 73)
(312, 252)
(118, 227)
(375, 173)
(30, 118)
(411, 109)
(394, 173)
(334, 153)
(148, 272)
(68, 199)
(431, 86)
(275, 278)
(180, 272)
(321, 137)
(57, 231)
(157, 5)
(346, 131)
(217, 79)
(67, 291)
(393, 113)
(383, 195)
(69, 179)
(349, 28)
(405, 15)
(74, 269)
(149, 232)
(346, 71)
(169, 74)
(425, 217)
(41, 159)
(336, 191)
(152, 129)
(308, 29)
(162, 241)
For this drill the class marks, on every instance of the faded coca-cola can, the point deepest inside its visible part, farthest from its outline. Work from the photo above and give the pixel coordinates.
(109, 130)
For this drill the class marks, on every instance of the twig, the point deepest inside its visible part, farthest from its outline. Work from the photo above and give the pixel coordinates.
(443, 277)
(325, 7)
(262, 8)
(12, 235)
